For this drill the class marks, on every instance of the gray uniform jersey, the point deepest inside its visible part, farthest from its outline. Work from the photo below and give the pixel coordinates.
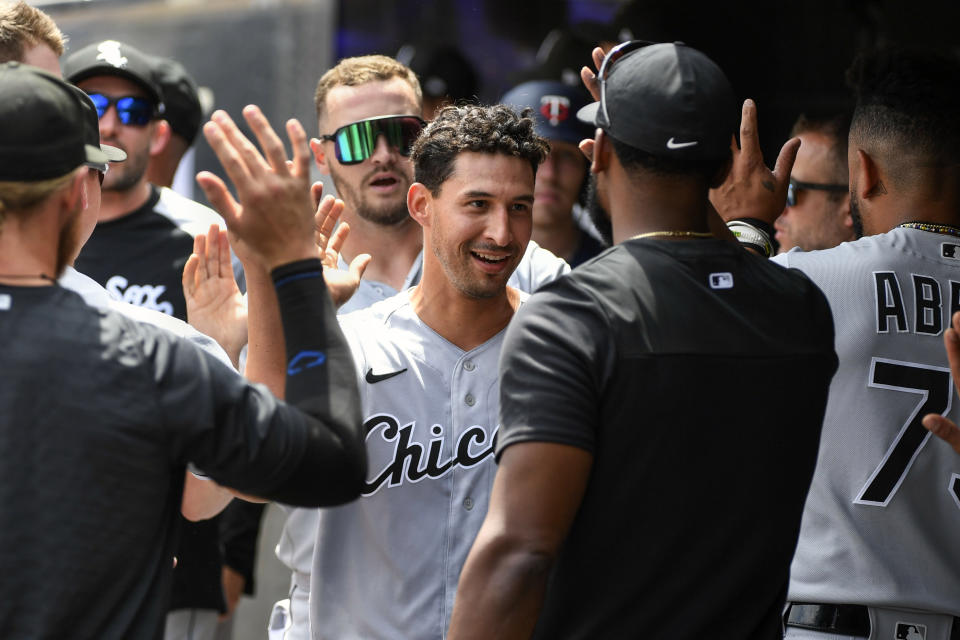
(387, 565)
(538, 266)
(880, 522)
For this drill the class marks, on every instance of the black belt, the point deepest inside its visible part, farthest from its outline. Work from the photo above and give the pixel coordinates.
(843, 619)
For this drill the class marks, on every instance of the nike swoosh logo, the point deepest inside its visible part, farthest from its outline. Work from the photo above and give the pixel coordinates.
(374, 378)
(680, 145)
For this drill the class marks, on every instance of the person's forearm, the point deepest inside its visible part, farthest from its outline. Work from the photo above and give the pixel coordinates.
(265, 342)
(320, 381)
(500, 592)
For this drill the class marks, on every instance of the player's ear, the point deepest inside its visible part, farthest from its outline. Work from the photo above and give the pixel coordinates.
(316, 145)
(420, 203)
(73, 196)
(845, 212)
(601, 152)
(869, 183)
(160, 137)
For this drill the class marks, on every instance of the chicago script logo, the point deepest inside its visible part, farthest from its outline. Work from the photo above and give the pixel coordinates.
(413, 461)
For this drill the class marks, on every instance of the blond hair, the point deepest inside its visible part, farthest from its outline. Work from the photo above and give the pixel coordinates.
(23, 196)
(351, 72)
(22, 26)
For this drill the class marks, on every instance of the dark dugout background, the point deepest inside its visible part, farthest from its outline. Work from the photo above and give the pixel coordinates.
(788, 56)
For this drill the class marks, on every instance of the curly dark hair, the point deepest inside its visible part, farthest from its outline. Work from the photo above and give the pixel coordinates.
(910, 98)
(485, 129)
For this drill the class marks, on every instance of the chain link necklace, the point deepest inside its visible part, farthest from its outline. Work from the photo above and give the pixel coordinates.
(673, 234)
(945, 229)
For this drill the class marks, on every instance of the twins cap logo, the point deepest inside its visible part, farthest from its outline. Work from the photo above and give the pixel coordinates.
(555, 109)
(910, 631)
(110, 53)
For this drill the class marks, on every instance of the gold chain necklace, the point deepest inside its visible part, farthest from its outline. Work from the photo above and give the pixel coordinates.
(674, 234)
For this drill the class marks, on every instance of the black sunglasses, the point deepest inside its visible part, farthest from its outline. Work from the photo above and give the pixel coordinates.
(355, 142)
(796, 186)
(622, 49)
(131, 110)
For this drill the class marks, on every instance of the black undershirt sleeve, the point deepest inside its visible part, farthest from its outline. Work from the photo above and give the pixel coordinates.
(321, 383)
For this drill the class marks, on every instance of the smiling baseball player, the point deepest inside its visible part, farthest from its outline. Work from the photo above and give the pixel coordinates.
(426, 360)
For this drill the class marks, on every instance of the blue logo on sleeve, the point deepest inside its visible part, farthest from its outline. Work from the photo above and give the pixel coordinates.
(305, 360)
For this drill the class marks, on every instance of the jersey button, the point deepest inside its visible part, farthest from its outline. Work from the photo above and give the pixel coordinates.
(470, 400)
(469, 366)
(468, 504)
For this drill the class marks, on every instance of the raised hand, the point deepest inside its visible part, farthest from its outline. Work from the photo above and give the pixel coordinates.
(751, 190)
(273, 220)
(944, 428)
(330, 238)
(214, 303)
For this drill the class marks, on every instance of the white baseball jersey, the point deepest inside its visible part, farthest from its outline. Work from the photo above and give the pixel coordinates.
(295, 547)
(387, 565)
(881, 519)
(98, 297)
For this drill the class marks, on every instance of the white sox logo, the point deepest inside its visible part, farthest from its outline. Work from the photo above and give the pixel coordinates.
(110, 53)
(412, 461)
(555, 109)
(141, 295)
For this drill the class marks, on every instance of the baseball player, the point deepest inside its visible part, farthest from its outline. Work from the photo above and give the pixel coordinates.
(426, 359)
(562, 179)
(368, 160)
(93, 423)
(877, 555)
(144, 235)
(621, 429)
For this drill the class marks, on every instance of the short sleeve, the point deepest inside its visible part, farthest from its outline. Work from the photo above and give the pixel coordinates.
(556, 356)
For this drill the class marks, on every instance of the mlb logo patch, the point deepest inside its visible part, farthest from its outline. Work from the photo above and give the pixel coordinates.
(721, 280)
(950, 250)
(910, 631)
(5, 301)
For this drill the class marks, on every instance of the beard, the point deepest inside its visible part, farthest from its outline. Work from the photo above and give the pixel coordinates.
(598, 215)
(387, 214)
(125, 175)
(855, 216)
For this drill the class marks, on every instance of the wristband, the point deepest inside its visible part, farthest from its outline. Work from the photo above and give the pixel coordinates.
(750, 236)
(763, 227)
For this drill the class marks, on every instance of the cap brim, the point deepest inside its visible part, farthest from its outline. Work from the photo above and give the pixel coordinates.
(588, 113)
(95, 155)
(113, 153)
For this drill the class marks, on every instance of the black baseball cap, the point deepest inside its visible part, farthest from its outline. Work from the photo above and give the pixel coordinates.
(181, 102)
(91, 130)
(668, 100)
(42, 134)
(555, 106)
(113, 58)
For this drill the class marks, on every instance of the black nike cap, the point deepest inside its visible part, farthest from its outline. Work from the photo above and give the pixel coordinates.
(113, 58)
(42, 126)
(666, 99)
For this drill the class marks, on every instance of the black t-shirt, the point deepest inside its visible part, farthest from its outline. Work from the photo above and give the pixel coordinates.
(139, 257)
(99, 416)
(696, 374)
